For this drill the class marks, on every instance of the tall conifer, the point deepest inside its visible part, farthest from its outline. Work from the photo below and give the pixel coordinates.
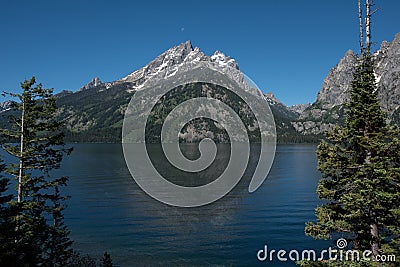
(360, 164)
(36, 142)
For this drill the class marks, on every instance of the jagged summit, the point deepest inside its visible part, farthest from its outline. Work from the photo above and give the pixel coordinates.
(272, 100)
(93, 83)
(335, 91)
(223, 60)
(336, 86)
(168, 63)
(99, 114)
(349, 55)
(187, 45)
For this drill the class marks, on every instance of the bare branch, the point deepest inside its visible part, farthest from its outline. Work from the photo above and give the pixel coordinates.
(376, 10)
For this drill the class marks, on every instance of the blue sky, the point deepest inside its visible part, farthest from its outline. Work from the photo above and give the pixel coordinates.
(285, 47)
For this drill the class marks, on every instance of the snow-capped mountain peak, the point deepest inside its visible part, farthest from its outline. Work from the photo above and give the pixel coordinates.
(223, 60)
(167, 64)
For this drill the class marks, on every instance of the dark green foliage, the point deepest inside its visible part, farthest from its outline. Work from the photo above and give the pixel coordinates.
(360, 163)
(185, 92)
(39, 231)
(7, 225)
(32, 228)
(334, 115)
(77, 260)
(60, 250)
(285, 131)
(96, 114)
(103, 110)
(106, 261)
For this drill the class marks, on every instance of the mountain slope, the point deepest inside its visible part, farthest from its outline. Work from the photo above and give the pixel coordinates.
(328, 109)
(95, 112)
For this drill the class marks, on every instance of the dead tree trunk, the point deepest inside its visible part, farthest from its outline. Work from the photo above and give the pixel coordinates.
(360, 16)
(368, 26)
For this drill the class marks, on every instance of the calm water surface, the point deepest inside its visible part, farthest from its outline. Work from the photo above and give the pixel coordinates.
(109, 212)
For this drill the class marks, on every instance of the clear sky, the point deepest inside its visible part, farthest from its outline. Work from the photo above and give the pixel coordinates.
(285, 47)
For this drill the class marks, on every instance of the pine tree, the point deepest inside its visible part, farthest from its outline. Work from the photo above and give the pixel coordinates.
(60, 252)
(360, 164)
(106, 260)
(39, 150)
(77, 260)
(7, 226)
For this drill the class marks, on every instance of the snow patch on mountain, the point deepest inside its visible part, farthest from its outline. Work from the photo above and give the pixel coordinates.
(170, 62)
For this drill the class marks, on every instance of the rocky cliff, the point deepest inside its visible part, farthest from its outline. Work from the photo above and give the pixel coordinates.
(328, 109)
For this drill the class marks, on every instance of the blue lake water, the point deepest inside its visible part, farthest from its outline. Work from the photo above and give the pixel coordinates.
(107, 211)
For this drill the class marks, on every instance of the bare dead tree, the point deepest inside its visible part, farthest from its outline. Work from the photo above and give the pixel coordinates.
(365, 25)
(360, 16)
(368, 26)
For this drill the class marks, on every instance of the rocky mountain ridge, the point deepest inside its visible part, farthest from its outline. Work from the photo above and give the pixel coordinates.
(6, 105)
(94, 113)
(97, 109)
(328, 109)
(167, 64)
(93, 83)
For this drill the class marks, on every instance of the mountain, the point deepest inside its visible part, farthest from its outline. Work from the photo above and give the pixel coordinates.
(387, 71)
(328, 109)
(93, 83)
(6, 106)
(284, 116)
(299, 108)
(168, 63)
(95, 112)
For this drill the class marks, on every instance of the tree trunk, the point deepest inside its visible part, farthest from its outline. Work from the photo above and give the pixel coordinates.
(368, 27)
(375, 240)
(361, 28)
(21, 159)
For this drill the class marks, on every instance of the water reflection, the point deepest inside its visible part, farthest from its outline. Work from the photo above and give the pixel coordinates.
(109, 212)
(191, 151)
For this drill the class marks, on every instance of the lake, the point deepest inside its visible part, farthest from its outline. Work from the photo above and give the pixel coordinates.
(107, 211)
